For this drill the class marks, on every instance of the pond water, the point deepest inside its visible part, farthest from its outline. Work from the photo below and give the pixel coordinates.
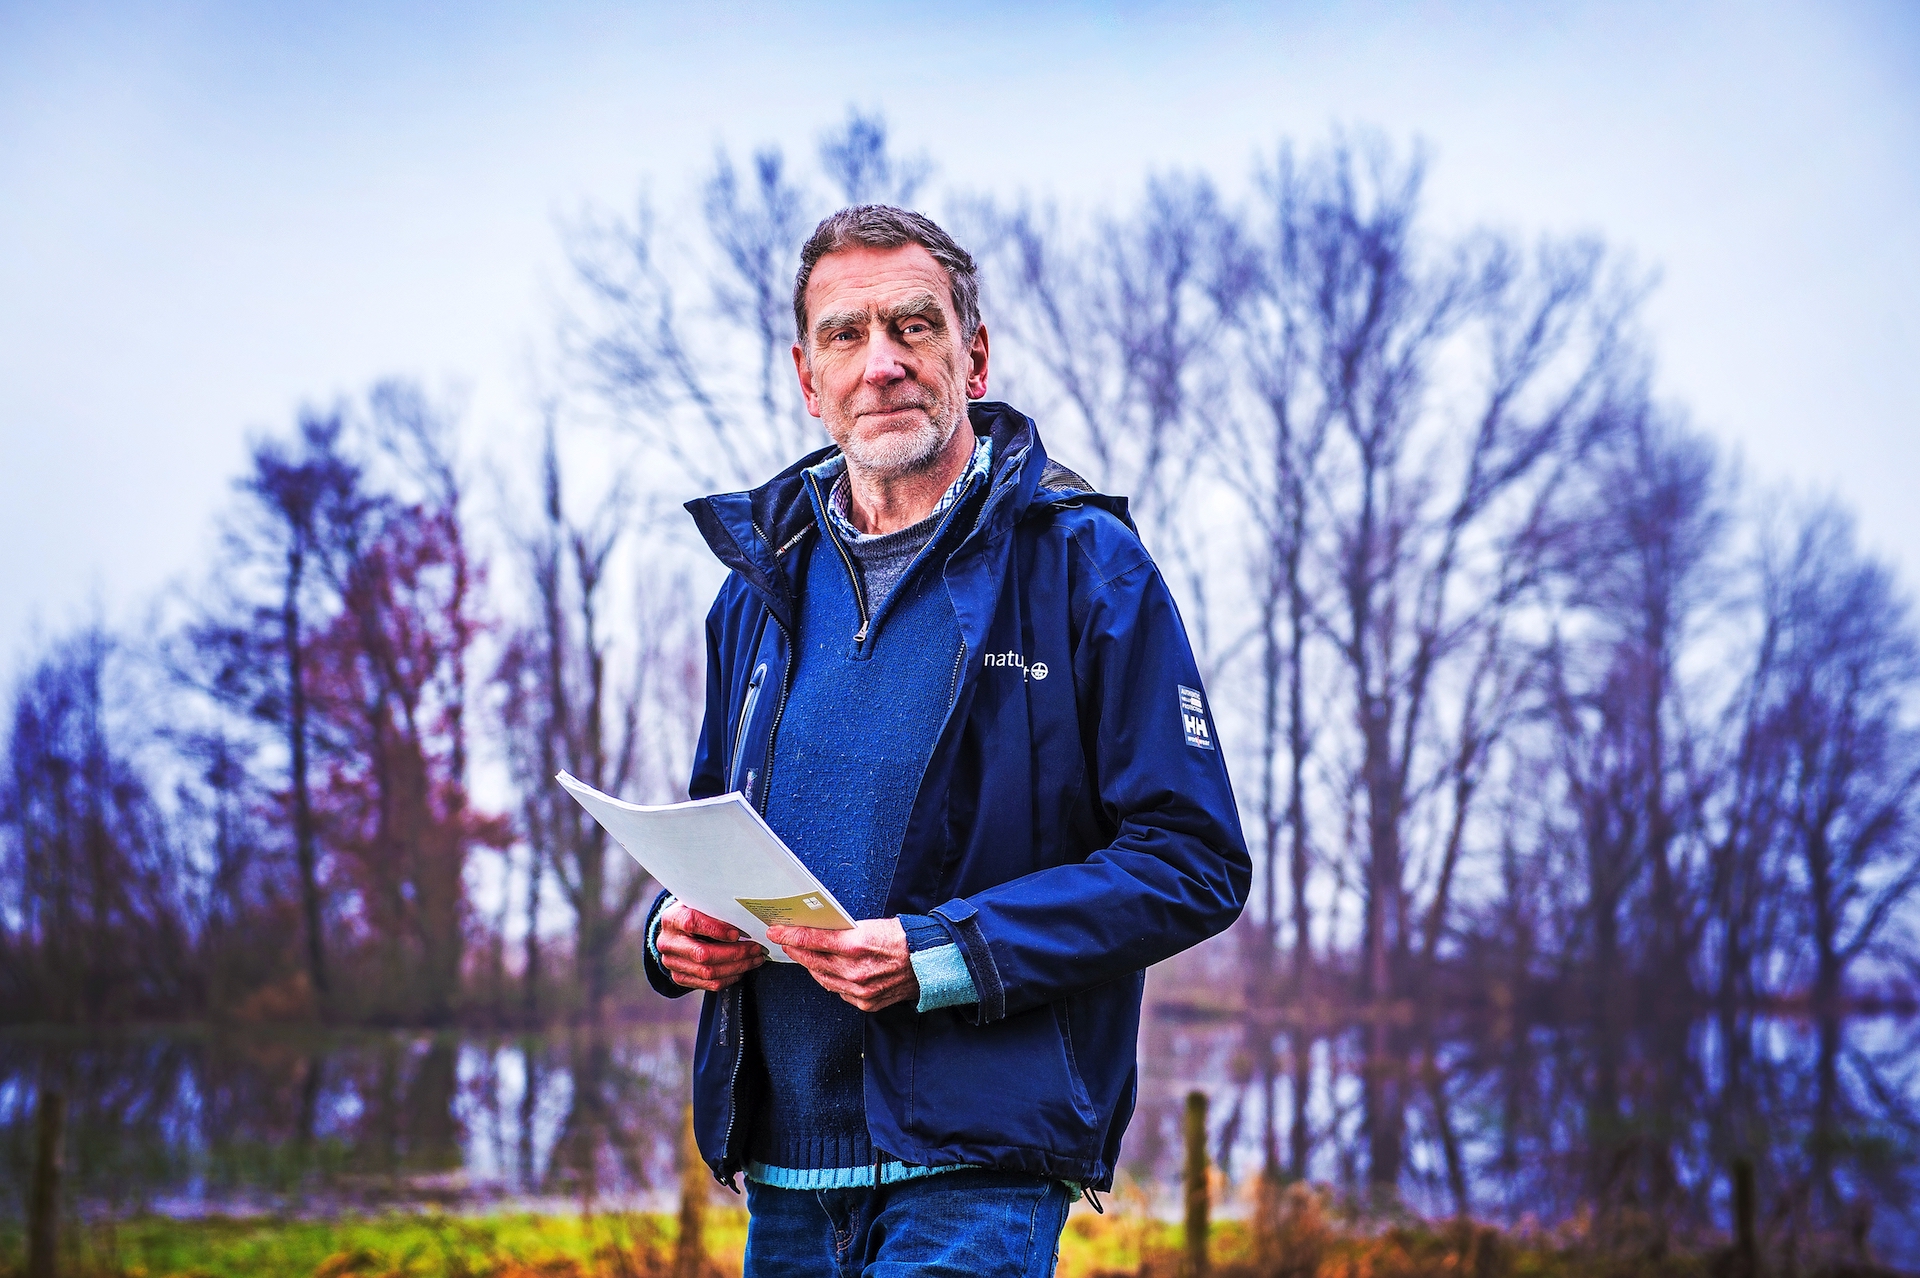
(1511, 1124)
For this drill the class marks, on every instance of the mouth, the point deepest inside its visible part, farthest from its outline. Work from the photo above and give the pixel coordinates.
(891, 411)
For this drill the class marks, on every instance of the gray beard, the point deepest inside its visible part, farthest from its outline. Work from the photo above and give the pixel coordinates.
(899, 452)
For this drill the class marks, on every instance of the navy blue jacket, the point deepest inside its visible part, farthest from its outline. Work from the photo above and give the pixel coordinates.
(1075, 823)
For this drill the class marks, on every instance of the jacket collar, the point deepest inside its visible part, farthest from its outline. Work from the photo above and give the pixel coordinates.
(752, 532)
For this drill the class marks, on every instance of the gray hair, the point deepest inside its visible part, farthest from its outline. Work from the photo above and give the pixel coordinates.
(882, 226)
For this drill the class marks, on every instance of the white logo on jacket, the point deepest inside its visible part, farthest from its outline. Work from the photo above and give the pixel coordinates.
(1038, 670)
(1193, 717)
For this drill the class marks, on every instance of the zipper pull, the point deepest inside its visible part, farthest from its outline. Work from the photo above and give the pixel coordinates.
(860, 635)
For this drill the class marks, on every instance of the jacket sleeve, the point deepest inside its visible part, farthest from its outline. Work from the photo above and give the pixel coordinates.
(1177, 869)
(709, 778)
(710, 750)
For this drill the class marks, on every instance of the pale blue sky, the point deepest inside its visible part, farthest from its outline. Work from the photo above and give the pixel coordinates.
(211, 213)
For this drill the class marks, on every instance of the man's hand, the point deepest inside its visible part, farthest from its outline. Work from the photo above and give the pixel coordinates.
(702, 953)
(868, 966)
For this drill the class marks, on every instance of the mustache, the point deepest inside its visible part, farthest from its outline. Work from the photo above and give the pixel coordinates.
(892, 404)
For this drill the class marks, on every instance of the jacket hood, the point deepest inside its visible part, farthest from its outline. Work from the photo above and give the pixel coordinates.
(750, 531)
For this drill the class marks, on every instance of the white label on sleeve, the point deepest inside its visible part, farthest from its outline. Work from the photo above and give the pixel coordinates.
(1193, 716)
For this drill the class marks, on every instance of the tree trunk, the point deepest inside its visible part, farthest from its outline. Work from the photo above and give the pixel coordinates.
(1384, 1114)
(530, 970)
(1383, 852)
(305, 849)
(1299, 1135)
(1297, 762)
(1269, 805)
(1828, 971)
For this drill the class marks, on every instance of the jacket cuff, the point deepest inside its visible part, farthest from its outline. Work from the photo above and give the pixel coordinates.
(924, 932)
(665, 903)
(657, 975)
(944, 979)
(964, 922)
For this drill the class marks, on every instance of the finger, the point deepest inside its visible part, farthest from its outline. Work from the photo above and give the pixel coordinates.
(711, 958)
(689, 943)
(718, 964)
(818, 939)
(687, 921)
(854, 982)
(685, 973)
(872, 1000)
(828, 971)
(696, 983)
(703, 950)
(706, 925)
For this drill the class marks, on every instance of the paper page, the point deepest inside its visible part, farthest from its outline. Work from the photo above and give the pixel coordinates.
(719, 857)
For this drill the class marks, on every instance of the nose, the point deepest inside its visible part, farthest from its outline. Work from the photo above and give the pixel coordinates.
(884, 363)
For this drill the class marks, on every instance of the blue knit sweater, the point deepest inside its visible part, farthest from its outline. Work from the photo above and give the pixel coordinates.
(854, 737)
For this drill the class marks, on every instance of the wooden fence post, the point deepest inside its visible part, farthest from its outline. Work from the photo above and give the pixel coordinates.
(1746, 1248)
(1196, 1142)
(690, 1248)
(43, 1210)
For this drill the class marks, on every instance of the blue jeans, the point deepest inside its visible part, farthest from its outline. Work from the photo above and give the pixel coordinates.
(967, 1224)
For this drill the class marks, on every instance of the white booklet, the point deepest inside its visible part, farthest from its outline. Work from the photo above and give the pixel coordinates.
(719, 857)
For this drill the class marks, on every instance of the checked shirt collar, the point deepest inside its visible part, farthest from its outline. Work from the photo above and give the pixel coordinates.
(835, 469)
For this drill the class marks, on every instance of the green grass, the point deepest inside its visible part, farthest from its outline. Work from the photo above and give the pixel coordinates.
(416, 1245)
(1303, 1243)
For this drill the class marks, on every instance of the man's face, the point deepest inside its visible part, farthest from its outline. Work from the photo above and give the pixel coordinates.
(883, 366)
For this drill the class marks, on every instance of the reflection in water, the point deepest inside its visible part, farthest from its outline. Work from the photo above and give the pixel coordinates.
(187, 1123)
(1633, 1131)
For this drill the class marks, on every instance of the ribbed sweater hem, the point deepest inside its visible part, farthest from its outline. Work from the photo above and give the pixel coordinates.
(891, 1173)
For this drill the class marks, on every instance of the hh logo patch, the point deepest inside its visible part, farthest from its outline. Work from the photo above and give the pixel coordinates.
(1193, 714)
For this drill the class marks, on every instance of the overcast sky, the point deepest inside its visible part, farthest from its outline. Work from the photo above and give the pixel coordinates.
(210, 214)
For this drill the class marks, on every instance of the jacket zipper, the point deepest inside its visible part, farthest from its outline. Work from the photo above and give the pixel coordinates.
(786, 687)
(853, 574)
(746, 717)
(735, 992)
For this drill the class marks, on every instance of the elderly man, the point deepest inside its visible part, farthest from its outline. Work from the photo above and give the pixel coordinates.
(952, 679)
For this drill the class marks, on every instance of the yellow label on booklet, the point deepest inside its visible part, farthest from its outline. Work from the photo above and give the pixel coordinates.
(807, 910)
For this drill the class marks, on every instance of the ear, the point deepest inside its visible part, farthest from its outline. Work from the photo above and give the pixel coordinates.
(976, 365)
(805, 371)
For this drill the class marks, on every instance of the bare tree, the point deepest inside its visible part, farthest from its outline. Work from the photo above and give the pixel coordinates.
(1639, 570)
(561, 709)
(251, 648)
(97, 907)
(1850, 669)
(1125, 330)
(1445, 396)
(669, 372)
(673, 334)
(857, 159)
(1271, 456)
